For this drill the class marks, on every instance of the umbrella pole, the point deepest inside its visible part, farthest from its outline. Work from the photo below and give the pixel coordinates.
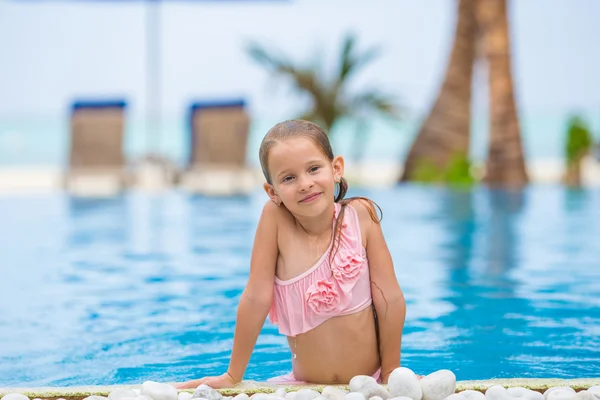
(153, 77)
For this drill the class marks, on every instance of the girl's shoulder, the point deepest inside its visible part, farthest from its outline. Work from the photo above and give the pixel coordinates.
(278, 215)
(366, 211)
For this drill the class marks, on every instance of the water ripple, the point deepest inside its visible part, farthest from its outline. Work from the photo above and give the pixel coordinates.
(117, 291)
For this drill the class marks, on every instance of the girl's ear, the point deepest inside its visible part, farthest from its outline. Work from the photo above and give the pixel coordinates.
(270, 190)
(338, 168)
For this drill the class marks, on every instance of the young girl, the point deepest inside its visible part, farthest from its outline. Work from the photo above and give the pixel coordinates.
(320, 268)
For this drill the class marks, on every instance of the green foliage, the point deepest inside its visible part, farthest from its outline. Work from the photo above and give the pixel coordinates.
(427, 172)
(330, 97)
(579, 140)
(457, 172)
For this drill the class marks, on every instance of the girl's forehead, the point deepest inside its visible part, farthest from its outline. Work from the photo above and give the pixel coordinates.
(287, 153)
(297, 147)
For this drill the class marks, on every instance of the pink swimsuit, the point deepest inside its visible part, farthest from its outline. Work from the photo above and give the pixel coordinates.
(327, 289)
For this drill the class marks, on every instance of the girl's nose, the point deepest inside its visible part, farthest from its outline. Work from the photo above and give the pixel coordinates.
(306, 183)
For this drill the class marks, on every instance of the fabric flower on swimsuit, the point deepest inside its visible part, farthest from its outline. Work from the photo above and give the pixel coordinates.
(322, 296)
(347, 266)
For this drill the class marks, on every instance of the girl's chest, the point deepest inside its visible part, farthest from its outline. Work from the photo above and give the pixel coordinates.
(299, 255)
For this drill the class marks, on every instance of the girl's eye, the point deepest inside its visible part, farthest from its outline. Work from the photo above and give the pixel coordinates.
(287, 179)
(313, 169)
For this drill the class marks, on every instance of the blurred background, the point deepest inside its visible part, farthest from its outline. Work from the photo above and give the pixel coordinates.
(130, 186)
(162, 57)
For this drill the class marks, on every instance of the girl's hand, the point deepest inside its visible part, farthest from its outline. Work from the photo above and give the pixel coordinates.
(215, 382)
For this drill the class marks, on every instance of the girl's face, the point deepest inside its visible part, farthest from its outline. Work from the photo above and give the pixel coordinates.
(303, 179)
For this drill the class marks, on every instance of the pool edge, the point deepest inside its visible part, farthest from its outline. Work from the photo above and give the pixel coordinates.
(251, 387)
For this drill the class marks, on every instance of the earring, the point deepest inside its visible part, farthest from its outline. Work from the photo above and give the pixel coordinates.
(338, 179)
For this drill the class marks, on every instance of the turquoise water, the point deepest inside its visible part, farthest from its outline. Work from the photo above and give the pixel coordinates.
(138, 287)
(44, 140)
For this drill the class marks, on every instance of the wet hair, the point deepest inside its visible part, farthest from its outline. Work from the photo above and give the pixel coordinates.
(305, 129)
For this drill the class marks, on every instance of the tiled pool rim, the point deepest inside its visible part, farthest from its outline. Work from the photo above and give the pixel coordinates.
(251, 387)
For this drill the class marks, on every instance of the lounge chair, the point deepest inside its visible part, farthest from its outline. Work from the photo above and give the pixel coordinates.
(218, 143)
(96, 159)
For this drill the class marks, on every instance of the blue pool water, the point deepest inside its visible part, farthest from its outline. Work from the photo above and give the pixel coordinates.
(144, 286)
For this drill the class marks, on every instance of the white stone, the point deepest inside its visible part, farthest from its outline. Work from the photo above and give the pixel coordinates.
(496, 392)
(206, 392)
(375, 390)
(261, 396)
(158, 391)
(320, 398)
(585, 395)
(121, 393)
(143, 397)
(404, 382)
(368, 387)
(355, 396)
(359, 381)
(241, 396)
(333, 393)
(184, 396)
(307, 394)
(472, 395)
(37, 398)
(552, 389)
(15, 396)
(281, 392)
(456, 396)
(595, 390)
(438, 385)
(137, 391)
(375, 398)
(524, 393)
(96, 398)
(291, 396)
(400, 398)
(560, 393)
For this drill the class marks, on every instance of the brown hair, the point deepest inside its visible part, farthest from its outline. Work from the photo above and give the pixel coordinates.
(300, 128)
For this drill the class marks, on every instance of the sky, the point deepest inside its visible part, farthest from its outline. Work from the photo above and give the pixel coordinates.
(55, 51)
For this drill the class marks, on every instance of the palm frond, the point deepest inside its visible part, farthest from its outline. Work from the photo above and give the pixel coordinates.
(269, 60)
(351, 62)
(380, 102)
(304, 79)
(330, 100)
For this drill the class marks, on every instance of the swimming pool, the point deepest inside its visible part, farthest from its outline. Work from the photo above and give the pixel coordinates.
(122, 290)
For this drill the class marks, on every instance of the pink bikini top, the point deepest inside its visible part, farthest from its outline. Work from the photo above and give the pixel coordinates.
(327, 289)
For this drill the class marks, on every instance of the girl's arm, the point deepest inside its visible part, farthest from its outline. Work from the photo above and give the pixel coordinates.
(255, 302)
(388, 298)
(256, 299)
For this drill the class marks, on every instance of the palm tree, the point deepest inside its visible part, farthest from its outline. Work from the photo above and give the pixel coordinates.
(505, 162)
(445, 133)
(330, 99)
(578, 145)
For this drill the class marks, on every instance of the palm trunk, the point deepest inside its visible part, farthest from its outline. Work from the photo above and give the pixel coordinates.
(445, 132)
(505, 163)
(573, 176)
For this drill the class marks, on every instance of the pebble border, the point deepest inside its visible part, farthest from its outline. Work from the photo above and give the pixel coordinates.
(251, 387)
